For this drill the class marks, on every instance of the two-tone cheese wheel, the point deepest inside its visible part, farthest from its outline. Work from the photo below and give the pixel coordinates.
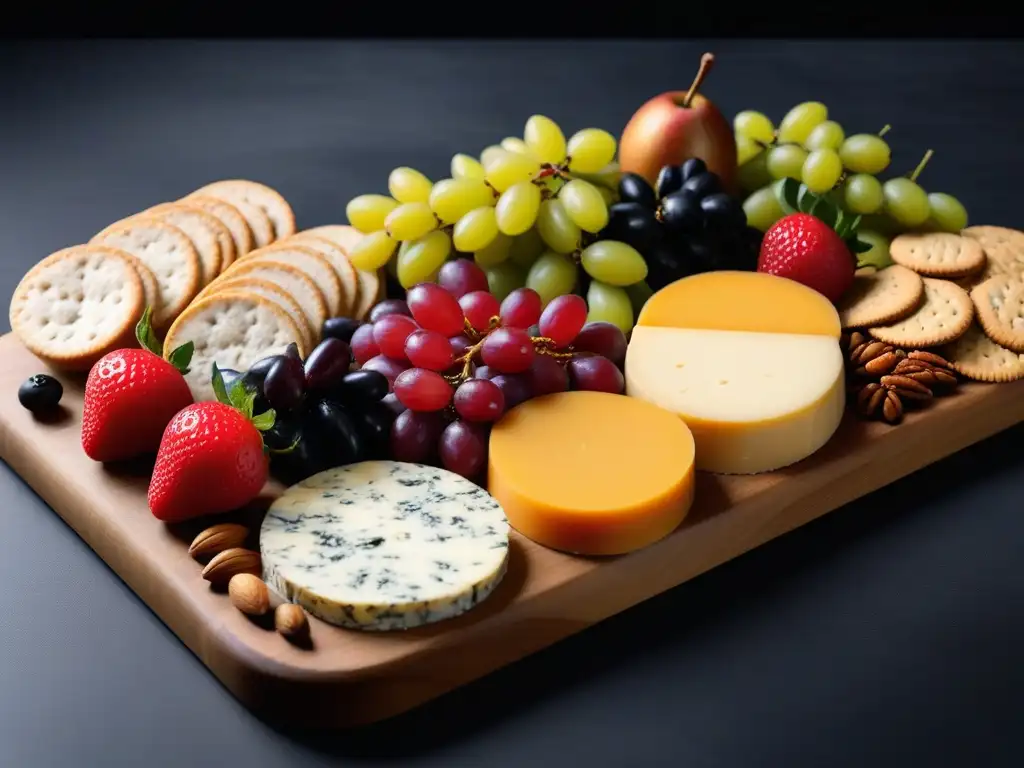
(751, 362)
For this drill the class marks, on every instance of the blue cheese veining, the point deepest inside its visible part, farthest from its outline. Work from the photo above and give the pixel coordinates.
(385, 545)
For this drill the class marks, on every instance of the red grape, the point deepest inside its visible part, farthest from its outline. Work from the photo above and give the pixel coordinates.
(389, 307)
(485, 372)
(390, 333)
(515, 387)
(385, 365)
(415, 436)
(479, 400)
(430, 350)
(363, 344)
(596, 374)
(563, 318)
(510, 350)
(460, 345)
(464, 448)
(603, 339)
(393, 403)
(521, 308)
(435, 309)
(547, 376)
(479, 307)
(461, 276)
(422, 390)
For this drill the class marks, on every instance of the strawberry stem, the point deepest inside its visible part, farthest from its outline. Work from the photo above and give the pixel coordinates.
(241, 397)
(179, 358)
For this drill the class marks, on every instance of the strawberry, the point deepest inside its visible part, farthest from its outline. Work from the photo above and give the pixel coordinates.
(814, 246)
(131, 395)
(211, 458)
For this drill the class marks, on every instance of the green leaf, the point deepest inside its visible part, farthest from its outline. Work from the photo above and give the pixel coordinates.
(144, 333)
(842, 224)
(219, 390)
(242, 396)
(806, 200)
(858, 246)
(182, 356)
(265, 420)
(854, 225)
(788, 193)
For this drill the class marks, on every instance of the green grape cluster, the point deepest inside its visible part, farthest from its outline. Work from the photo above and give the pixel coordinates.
(529, 211)
(816, 151)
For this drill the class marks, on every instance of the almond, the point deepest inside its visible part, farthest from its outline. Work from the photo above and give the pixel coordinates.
(216, 539)
(290, 620)
(229, 563)
(249, 594)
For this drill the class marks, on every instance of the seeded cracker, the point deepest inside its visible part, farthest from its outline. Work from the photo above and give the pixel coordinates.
(999, 306)
(881, 297)
(1003, 247)
(938, 254)
(944, 316)
(977, 357)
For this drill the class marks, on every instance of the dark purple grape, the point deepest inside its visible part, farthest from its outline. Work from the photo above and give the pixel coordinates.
(667, 263)
(393, 404)
(362, 386)
(603, 339)
(723, 211)
(327, 364)
(40, 393)
(342, 441)
(702, 185)
(304, 454)
(670, 179)
(693, 167)
(415, 436)
(547, 376)
(340, 328)
(292, 350)
(460, 344)
(285, 384)
(595, 373)
(258, 371)
(373, 421)
(389, 307)
(386, 366)
(633, 224)
(680, 212)
(515, 387)
(634, 188)
(463, 448)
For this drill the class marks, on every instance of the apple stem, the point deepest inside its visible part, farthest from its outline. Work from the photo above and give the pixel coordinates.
(706, 62)
(884, 131)
(921, 165)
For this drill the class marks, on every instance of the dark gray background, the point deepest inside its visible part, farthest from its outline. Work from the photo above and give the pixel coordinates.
(888, 633)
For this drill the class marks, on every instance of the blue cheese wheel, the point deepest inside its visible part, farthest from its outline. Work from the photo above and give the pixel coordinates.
(384, 545)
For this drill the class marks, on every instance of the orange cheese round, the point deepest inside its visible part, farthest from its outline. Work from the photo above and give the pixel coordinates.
(592, 473)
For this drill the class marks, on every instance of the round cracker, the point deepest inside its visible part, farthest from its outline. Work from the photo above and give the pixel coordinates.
(938, 254)
(272, 292)
(371, 284)
(76, 305)
(150, 287)
(999, 307)
(267, 199)
(233, 330)
(944, 315)
(232, 218)
(881, 297)
(1004, 248)
(225, 242)
(977, 357)
(314, 264)
(347, 276)
(168, 252)
(259, 223)
(204, 229)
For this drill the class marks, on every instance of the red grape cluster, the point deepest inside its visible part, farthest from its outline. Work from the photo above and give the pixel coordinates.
(456, 360)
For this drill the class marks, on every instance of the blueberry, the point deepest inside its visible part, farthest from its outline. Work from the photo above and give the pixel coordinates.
(40, 393)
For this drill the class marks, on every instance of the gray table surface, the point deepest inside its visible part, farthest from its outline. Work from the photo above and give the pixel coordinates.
(888, 633)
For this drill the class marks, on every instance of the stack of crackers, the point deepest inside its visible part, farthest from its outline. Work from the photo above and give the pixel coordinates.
(222, 267)
(961, 295)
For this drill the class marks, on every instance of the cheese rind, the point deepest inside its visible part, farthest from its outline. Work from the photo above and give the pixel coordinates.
(384, 545)
(592, 473)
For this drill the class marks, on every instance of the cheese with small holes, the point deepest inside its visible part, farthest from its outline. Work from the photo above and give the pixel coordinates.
(750, 361)
(384, 545)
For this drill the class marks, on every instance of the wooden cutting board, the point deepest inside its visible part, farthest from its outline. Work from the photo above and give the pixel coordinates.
(350, 678)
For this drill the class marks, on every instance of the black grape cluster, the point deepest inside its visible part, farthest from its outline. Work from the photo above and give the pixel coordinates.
(687, 224)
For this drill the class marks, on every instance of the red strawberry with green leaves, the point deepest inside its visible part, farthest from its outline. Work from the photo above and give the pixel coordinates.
(131, 395)
(816, 245)
(211, 458)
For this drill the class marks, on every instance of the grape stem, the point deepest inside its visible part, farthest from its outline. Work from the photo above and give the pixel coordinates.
(885, 130)
(542, 345)
(707, 61)
(921, 165)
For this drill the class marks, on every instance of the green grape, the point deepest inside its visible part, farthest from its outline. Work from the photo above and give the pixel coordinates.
(545, 139)
(755, 126)
(947, 213)
(494, 252)
(878, 256)
(490, 152)
(423, 258)
(556, 228)
(827, 135)
(504, 278)
(407, 185)
(367, 212)
(865, 153)
(821, 170)
(372, 251)
(509, 168)
(515, 144)
(585, 205)
(517, 208)
(746, 149)
(614, 263)
(590, 150)
(905, 202)
(608, 176)
(451, 199)
(552, 275)
(754, 174)
(526, 248)
(609, 304)
(467, 167)
(786, 161)
(610, 196)
(798, 123)
(763, 209)
(862, 193)
(476, 230)
(882, 223)
(392, 265)
(410, 221)
(638, 294)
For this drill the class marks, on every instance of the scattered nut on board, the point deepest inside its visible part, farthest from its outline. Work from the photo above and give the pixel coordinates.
(229, 563)
(290, 620)
(249, 594)
(218, 538)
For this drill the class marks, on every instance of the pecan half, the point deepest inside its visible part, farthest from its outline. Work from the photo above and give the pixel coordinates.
(892, 407)
(906, 387)
(869, 398)
(930, 358)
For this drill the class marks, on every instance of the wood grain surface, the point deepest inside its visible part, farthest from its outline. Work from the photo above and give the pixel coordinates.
(349, 678)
